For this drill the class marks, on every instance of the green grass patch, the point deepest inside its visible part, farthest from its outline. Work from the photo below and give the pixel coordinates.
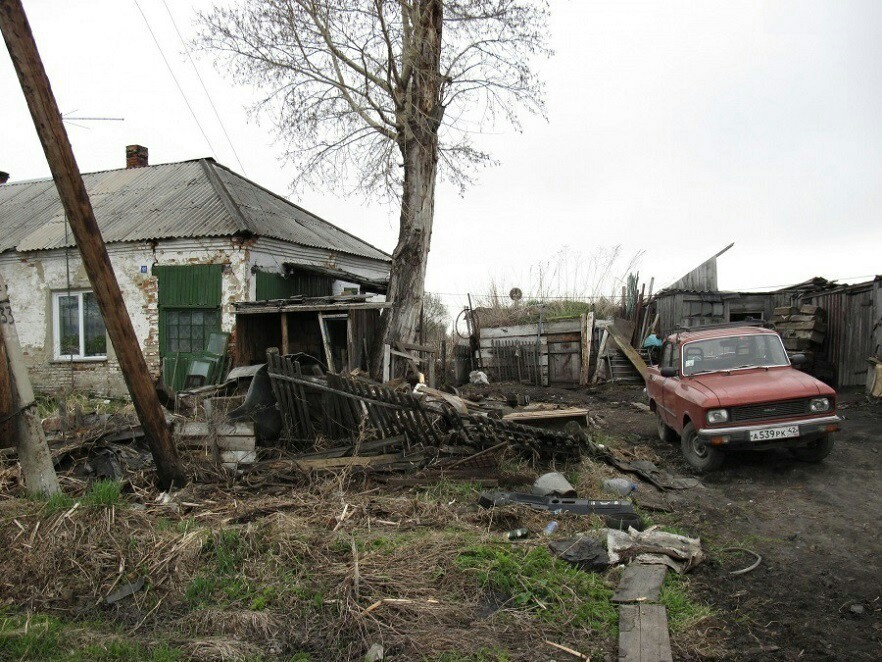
(536, 581)
(41, 637)
(445, 491)
(103, 494)
(683, 612)
(55, 503)
(222, 582)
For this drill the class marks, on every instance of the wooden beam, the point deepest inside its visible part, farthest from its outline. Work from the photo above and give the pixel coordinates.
(78, 208)
(630, 352)
(285, 338)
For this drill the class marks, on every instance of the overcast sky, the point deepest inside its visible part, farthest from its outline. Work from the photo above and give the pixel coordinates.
(674, 128)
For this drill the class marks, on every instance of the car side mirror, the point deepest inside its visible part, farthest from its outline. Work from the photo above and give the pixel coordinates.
(668, 371)
(797, 359)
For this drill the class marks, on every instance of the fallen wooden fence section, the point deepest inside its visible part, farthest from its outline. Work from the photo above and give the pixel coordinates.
(426, 428)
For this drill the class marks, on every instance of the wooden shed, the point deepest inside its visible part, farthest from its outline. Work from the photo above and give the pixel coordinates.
(854, 328)
(336, 331)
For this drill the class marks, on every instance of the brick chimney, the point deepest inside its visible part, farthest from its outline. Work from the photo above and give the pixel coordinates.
(4, 177)
(136, 156)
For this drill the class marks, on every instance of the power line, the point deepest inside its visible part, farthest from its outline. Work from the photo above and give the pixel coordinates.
(175, 78)
(204, 88)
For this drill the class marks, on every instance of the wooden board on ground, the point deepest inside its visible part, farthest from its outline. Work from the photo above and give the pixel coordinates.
(643, 634)
(640, 582)
(550, 417)
(341, 462)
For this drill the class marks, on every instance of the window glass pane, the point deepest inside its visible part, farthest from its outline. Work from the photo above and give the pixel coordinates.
(94, 333)
(187, 331)
(69, 325)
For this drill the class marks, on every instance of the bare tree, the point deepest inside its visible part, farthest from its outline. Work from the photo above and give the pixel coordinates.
(382, 92)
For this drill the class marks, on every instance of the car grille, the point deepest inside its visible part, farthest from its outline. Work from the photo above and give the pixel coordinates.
(770, 410)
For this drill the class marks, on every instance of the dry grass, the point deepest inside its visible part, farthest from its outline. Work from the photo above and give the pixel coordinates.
(274, 564)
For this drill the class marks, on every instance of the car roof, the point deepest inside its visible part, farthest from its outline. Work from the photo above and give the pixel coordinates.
(704, 334)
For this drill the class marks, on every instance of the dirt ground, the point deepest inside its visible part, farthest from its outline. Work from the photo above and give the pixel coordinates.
(816, 594)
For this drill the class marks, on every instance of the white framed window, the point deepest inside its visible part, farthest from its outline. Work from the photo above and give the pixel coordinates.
(77, 325)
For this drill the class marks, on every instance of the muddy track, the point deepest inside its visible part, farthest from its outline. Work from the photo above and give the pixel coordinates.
(816, 594)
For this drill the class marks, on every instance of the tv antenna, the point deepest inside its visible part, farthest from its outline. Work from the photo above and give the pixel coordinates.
(72, 120)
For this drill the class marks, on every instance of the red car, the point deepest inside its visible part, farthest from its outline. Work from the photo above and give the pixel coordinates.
(733, 387)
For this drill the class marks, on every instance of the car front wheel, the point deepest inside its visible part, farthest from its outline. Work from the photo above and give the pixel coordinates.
(815, 451)
(701, 456)
(665, 432)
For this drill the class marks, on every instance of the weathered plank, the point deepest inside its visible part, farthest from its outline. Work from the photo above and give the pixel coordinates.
(235, 443)
(640, 582)
(546, 414)
(238, 457)
(643, 634)
(340, 462)
(630, 352)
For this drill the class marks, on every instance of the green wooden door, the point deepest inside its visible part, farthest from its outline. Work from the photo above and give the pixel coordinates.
(189, 310)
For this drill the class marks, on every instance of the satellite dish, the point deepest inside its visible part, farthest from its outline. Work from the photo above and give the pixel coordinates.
(515, 294)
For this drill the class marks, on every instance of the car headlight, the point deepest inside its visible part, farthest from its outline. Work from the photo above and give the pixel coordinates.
(717, 416)
(817, 405)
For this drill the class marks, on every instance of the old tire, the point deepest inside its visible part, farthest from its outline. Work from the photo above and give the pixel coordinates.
(815, 451)
(701, 456)
(665, 432)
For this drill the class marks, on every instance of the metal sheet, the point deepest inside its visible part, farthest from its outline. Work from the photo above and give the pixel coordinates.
(197, 198)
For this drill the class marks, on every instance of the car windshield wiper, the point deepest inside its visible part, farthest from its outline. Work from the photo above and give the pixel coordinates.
(702, 372)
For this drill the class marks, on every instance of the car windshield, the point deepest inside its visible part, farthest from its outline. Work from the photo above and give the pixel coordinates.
(732, 353)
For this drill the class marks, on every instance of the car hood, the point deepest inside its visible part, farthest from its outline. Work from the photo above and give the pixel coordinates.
(744, 387)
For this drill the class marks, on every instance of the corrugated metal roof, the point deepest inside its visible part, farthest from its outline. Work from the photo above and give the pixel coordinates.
(189, 199)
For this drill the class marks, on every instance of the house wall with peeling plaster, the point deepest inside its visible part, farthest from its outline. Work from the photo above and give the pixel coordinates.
(33, 277)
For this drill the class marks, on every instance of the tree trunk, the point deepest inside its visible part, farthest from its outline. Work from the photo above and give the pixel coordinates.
(419, 121)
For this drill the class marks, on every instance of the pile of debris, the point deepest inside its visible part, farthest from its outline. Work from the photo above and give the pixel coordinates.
(803, 330)
(350, 421)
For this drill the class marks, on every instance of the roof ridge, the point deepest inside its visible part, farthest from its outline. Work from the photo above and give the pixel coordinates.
(37, 180)
(224, 194)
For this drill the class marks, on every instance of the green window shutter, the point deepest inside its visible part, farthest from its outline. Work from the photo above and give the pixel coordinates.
(190, 286)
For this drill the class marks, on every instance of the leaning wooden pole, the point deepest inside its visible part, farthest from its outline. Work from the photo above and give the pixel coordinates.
(37, 469)
(47, 120)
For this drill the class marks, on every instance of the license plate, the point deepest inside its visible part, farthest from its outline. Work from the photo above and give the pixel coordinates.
(775, 433)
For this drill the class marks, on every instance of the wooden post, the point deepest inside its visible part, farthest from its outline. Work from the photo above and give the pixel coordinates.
(587, 335)
(285, 339)
(78, 208)
(7, 428)
(33, 451)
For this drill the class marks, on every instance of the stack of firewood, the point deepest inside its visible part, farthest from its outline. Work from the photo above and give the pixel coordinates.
(802, 329)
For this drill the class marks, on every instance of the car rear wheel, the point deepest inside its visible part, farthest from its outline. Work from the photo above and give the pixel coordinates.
(815, 451)
(665, 432)
(701, 456)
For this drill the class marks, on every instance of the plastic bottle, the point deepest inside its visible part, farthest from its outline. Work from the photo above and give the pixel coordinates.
(619, 486)
(551, 527)
(515, 534)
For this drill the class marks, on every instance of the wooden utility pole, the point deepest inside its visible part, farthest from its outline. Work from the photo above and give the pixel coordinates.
(34, 457)
(47, 120)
